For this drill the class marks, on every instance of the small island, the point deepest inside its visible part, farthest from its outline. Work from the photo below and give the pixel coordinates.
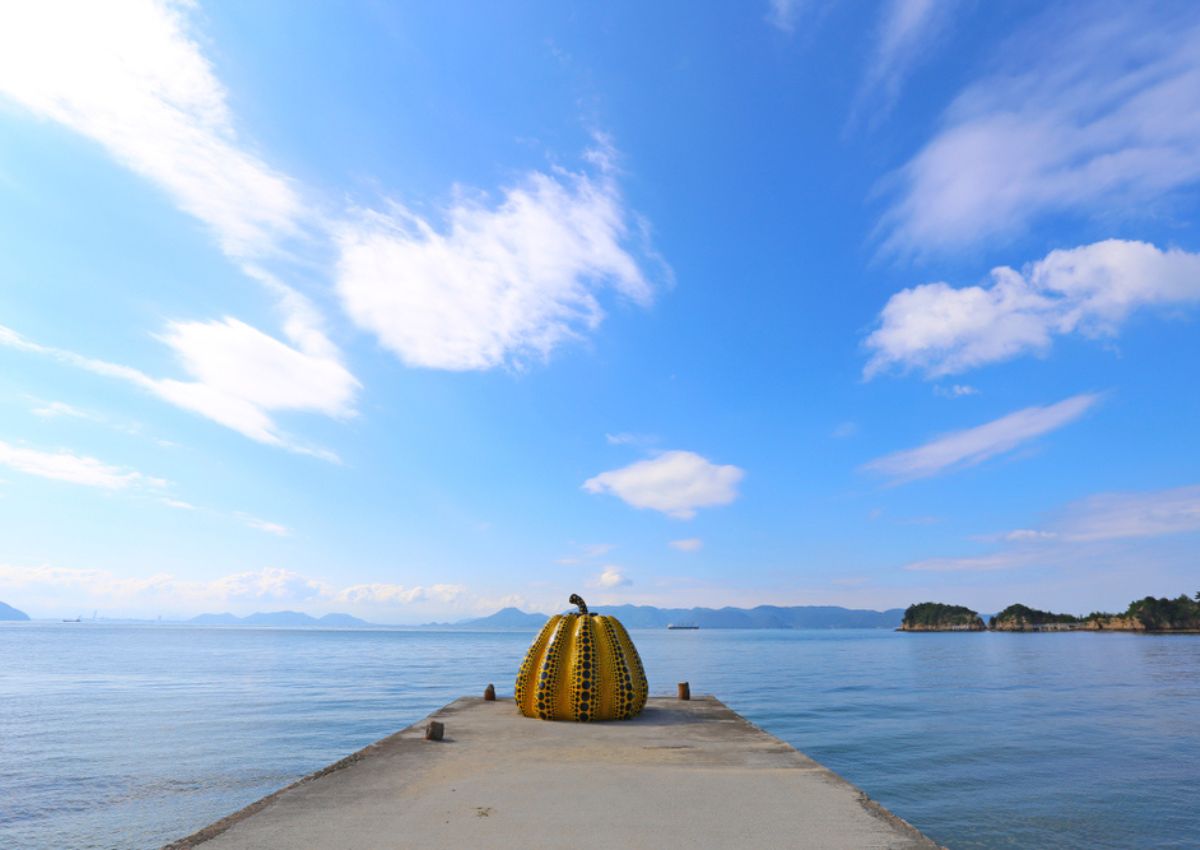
(1022, 618)
(1180, 615)
(937, 617)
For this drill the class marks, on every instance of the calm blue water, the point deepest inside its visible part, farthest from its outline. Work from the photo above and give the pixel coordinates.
(127, 736)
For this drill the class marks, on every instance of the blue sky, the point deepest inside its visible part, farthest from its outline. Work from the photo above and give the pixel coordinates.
(417, 311)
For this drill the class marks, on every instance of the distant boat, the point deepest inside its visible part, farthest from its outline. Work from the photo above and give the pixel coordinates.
(76, 620)
(682, 626)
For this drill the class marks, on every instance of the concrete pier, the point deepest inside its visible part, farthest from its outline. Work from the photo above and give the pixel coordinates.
(683, 774)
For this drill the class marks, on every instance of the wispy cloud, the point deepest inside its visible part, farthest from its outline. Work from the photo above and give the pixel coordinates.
(586, 552)
(845, 430)
(1113, 516)
(240, 377)
(499, 284)
(960, 449)
(1085, 528)
(268, 586)
(676, 483)
(626, 438)
(905, 32)
(73, 468)
(129, 76)
(972, 564)
(55, 409)
(785, 14)
(263, 525)
(1085, 112)
(1090, 290)
(690, 544)
(398, 594)
(955, 391)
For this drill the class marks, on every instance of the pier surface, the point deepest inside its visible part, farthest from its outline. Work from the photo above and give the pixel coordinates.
(682, 774)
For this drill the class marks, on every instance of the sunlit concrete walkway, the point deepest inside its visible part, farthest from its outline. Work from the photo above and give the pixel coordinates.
(683, 774)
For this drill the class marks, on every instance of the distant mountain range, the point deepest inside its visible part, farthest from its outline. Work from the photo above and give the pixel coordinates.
(277, 618)
(7, 612)
(633, 616)
(762, 617)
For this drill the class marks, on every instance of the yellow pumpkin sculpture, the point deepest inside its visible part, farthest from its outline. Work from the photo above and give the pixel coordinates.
(581, 666)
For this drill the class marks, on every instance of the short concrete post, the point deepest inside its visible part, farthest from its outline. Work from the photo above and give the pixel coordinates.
(685, 690)
(489, 693)
(434, 731)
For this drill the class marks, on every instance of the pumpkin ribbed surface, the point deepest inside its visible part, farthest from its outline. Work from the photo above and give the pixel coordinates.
(581, 667)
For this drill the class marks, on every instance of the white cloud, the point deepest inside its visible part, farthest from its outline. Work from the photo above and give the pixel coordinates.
(845, 430)
(784, 14)
(906, 30)
(1024, 535)
(1085, 530)
(690, 544)
(955, 391)
(499, 284)
(397, 594)
(269, 583)
(960, 449)
(610, 577)
(1112, 516)
(245, 590)
(627, 439)
(238, 362)
(67, 466)
(1089, 290)
(263, 525)
(178, 504)
(587, 551)
(975, 564)
(1083, 113)
(129, 76)
(241, 374)
(55, 409)
(675, 483)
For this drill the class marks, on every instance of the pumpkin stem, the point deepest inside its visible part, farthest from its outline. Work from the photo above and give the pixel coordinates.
(577, 600)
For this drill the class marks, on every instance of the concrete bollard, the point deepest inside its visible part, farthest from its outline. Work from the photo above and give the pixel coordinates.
(489, 693)
(434, 731)
(685, 690)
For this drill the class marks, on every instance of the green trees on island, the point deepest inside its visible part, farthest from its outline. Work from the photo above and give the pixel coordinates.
(1022, 615)
(929, 616)
(1151, 614)
(1164, 614)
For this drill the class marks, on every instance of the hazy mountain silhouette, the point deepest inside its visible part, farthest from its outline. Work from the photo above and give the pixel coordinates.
(7, 612)
(761, 617)
(276, 618)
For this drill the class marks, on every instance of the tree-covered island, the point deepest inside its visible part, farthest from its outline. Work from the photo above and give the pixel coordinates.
(1181, 614)
(1151, 614)
(937, 617)
(1021, 618)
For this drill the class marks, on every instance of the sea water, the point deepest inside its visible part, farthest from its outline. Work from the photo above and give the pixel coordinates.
(131, 736)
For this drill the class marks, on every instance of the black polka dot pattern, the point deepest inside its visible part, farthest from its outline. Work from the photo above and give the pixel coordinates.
(581, 667)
